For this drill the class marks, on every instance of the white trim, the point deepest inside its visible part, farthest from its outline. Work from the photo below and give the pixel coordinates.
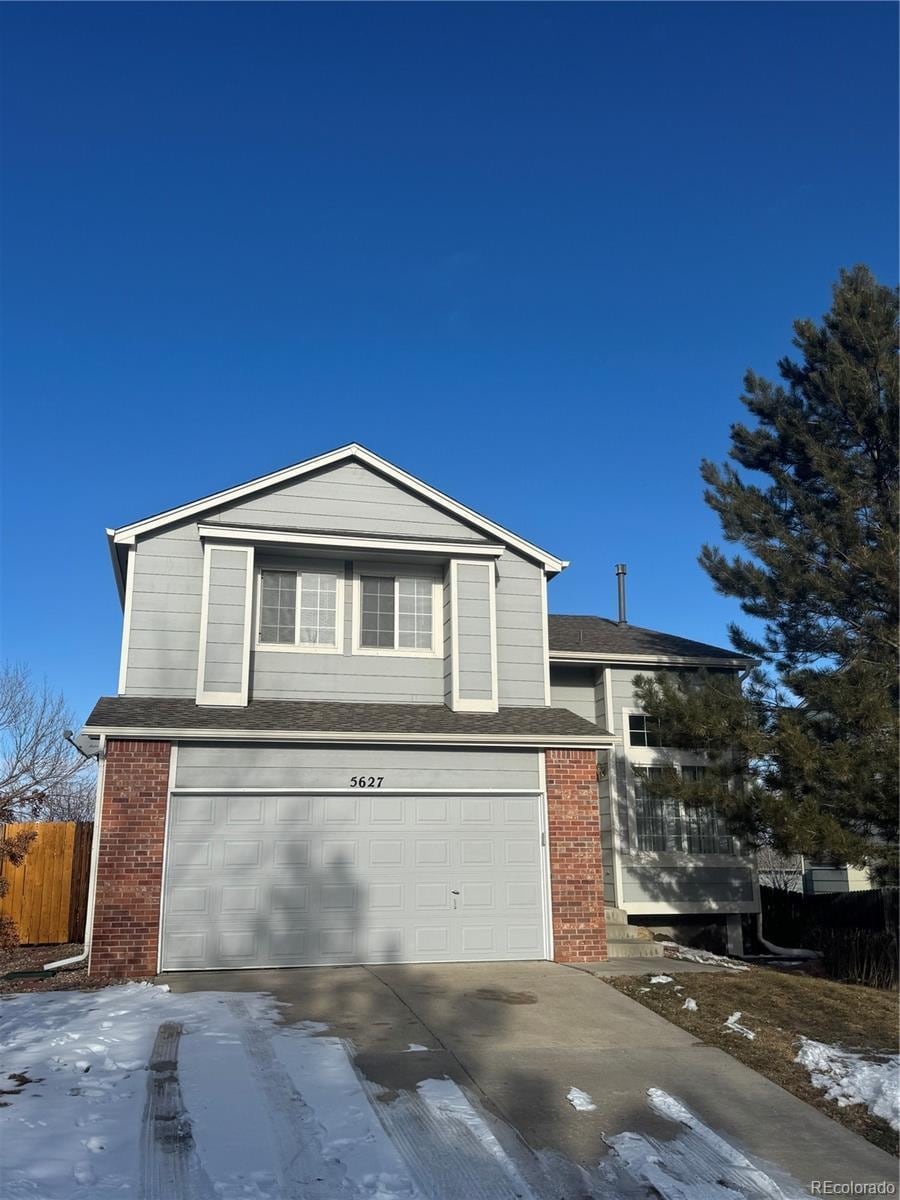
(351, 542)
(127, 533)
(545, 632)
(547, 896)
(240, 698)
(458, 703)
(204, 620)
(298, 647)
(343, 791)
(685, 907)
(391, 571)
(248, 625)
(166, 733)
(126, 620)
(636, 659)
(173, 772)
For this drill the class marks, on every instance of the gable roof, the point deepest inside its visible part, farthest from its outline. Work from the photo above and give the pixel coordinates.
(574, 638)
(127, 534)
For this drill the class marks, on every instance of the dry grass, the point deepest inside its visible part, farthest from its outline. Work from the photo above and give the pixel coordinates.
(780, 1008)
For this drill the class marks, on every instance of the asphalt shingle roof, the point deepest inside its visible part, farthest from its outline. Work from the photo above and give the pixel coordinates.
(599, 635)
(313, 716)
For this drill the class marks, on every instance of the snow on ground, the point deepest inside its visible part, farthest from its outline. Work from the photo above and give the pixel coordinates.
(689, 954)
(697, 1164)
(580, 1100)
(852, 1078)
(690, 1004)
(136, 1091)
(733, 1026)
(660, 978)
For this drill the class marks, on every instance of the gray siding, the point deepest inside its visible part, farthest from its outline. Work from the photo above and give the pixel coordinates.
(520, 631)
(473, 622)
(622, 690)
(165, 614)
(348, 498)
(702, 887)
(343, 675)
(573, 688)
(223, 653)
(232, 766)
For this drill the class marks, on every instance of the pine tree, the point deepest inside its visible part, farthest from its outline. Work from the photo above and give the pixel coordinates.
(809, 744)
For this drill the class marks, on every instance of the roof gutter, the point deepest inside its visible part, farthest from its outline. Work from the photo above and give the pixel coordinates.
(576, 657)
(515, 740)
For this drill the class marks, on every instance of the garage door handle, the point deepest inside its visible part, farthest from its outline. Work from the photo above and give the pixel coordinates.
(453, 893)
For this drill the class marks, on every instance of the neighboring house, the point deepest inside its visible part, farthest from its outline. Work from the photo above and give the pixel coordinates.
(819, 877)
(346, 731)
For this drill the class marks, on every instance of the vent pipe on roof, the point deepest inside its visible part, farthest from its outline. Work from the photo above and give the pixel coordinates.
(621, 572)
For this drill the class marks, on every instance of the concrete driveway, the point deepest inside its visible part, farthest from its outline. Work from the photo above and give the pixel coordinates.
(520, 1035)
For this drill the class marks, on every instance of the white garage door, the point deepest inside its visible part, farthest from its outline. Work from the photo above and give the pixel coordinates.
(294, 880)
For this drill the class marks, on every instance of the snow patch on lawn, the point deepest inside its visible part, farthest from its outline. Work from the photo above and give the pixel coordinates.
(733, 1026)
(689, 954)
(580, 1100)
(690, 1004)
(661, 979)
(850, 1078)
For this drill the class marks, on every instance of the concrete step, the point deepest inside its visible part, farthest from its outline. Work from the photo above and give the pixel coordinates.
(628, 933)
(615, 916)
(626, 949)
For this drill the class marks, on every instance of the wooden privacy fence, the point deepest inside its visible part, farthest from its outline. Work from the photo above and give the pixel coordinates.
(47, 895)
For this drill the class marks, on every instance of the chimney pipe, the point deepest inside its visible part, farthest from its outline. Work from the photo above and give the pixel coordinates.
(621, 572)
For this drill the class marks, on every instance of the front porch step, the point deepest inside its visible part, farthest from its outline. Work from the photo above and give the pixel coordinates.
(628, 941)
(636, 949)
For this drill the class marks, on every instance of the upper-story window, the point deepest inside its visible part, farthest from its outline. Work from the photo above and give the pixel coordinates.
(396, 613)
(643, 730)
(298, 608)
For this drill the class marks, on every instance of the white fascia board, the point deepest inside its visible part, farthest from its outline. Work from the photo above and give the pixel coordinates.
(162, 733)
(236, 533)
(127, 533)
(116, 565)
(574, 657)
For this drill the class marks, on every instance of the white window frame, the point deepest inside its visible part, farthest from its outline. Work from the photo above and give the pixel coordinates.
(384, 571)
(305, 647)
(659, 756)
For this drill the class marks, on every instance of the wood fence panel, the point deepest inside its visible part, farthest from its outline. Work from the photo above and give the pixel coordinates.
(47, 896)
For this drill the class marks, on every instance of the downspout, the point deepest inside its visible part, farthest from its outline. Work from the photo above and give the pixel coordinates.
(95, 855)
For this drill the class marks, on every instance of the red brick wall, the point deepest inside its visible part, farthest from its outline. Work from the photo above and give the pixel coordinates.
(576, 868)
(129, 871)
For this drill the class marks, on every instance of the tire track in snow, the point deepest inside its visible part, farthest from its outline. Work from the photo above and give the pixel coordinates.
(170, 1167)
(304, 1171)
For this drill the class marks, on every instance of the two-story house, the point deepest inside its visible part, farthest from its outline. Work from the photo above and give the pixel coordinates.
(346, 731)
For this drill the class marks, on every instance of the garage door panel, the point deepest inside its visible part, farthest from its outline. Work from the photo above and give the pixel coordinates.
(294, 880)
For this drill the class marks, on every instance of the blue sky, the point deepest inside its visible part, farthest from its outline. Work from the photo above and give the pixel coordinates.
(525, 252)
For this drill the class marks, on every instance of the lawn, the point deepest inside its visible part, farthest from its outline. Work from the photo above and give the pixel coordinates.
(780, 1008)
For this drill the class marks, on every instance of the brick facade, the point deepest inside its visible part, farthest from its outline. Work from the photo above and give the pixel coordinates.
(576, 869)
(129, 870)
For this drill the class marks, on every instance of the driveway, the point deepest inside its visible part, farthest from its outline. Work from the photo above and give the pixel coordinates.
(518, 1036)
